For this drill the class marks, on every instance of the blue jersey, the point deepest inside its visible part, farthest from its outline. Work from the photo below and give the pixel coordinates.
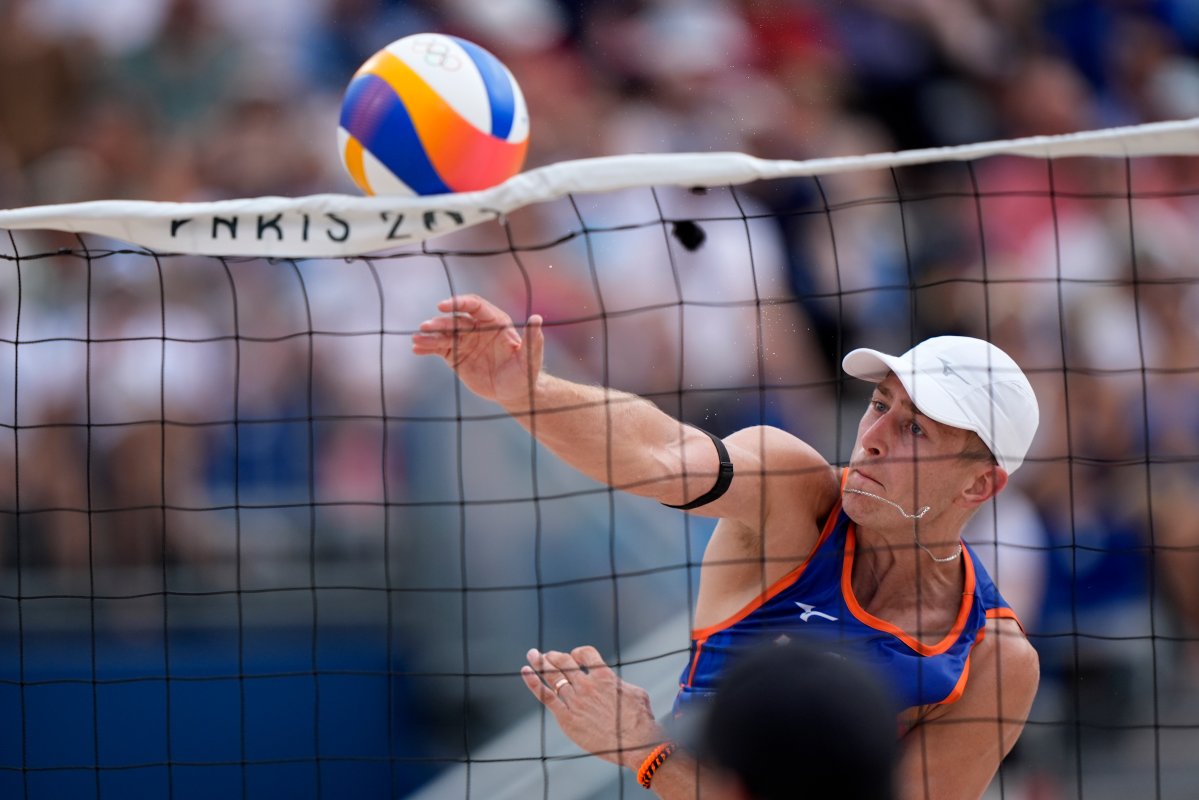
(815, 602)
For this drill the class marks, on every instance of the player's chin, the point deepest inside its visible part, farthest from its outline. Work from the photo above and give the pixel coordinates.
(853, 506)
(862, 510)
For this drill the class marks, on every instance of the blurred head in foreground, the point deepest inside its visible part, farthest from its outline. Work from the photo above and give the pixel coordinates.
(793, 721)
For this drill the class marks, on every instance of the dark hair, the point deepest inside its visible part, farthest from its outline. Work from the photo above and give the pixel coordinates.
(976, 450)
(792, 721)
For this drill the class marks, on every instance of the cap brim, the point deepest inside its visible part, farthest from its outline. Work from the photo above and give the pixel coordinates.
(868, 365)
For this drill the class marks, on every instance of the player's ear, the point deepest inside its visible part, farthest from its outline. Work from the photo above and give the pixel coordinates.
(989, 481)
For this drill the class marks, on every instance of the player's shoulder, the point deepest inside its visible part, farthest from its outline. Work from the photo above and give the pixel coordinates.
(1005, 657)
(807, 475)
(773, 442)
(783, 453)
(1008, 644)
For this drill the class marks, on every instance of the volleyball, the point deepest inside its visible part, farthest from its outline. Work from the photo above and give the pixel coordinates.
(432, 114)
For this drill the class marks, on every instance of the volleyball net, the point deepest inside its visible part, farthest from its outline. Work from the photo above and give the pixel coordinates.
(251, 546)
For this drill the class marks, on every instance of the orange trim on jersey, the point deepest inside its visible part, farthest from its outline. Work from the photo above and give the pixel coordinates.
(1005, 613)
(960, 687)
(699, 646)
(867, 618)
(776, 587)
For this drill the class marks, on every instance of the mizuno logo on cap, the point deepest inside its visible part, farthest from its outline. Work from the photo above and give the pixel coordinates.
(948, 370)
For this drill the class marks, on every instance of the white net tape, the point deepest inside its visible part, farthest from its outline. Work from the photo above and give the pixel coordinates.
(343, 225)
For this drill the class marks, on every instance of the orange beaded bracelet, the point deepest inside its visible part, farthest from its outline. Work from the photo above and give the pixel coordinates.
(654, 760)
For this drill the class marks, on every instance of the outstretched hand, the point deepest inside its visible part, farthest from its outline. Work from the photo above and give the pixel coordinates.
(601, 713)
(481, 344)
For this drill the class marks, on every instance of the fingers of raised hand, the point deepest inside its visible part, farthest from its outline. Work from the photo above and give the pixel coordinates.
(478, 308)
(442, 334)
(449, 323)
(436, 335)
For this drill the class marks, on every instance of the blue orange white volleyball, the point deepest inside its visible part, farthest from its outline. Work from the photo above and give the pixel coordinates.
(432, 114)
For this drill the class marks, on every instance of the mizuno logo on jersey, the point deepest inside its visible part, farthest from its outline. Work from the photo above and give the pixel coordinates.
(810, 611)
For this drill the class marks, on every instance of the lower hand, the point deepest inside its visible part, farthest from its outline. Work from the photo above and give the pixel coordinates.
(601, 713)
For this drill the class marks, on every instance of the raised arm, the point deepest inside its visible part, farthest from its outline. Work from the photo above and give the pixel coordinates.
(611, 436)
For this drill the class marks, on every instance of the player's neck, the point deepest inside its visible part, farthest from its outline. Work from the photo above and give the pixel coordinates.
(903, 587)
(892, 560)
(920, 597)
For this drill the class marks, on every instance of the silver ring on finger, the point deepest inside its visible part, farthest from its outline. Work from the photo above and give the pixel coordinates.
(559, 684)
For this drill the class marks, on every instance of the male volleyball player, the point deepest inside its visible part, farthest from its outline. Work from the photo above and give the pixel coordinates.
(868, 557)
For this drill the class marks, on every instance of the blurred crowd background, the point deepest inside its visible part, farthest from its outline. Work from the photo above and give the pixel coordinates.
(1084, 271)
(182, 99)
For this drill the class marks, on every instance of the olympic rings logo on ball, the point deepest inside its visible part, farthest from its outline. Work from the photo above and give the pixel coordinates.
(437, 54)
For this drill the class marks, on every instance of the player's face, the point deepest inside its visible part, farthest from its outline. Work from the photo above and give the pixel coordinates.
(904, 456)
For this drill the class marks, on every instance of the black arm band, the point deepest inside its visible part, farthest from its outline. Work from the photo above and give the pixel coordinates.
(723, 479)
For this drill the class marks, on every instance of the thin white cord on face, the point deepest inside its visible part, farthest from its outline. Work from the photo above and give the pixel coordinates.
(923, 510)
(897, 506)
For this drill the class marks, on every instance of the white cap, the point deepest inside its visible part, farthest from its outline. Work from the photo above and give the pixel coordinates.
(964, 383)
